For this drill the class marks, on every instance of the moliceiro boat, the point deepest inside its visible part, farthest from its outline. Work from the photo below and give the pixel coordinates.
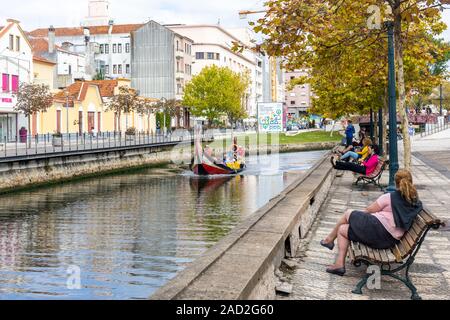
(205, 164)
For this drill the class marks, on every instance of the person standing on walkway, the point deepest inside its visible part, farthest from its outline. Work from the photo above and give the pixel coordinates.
(349, 133)
(381, 225)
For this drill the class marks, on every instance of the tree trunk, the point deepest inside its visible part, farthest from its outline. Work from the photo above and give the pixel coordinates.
(29, 132)
(401, 87)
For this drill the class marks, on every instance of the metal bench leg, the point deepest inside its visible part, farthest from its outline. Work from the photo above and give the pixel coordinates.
(407, 282)
(361, 284)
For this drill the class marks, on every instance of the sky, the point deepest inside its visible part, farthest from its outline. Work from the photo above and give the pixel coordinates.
(60, 13)
(43, 13)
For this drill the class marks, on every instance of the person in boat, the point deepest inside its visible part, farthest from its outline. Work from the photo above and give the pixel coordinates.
(208, 153)
(379, 226)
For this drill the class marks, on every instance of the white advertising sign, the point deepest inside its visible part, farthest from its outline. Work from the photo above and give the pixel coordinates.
(270, 117)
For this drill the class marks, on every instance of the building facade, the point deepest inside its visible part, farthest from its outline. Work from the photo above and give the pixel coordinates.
(298, 100)
(16, 66)
(107, 48)
(82, 109)
(213, 46)
(162, 64)
(70, 66)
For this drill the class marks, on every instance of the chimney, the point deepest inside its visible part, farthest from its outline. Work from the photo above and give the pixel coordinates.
(111, 25)
(87, 35)
(51, 39)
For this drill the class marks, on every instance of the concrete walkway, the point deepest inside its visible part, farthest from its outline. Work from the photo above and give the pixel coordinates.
(431, 271)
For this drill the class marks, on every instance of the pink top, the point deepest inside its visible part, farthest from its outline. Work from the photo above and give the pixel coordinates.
(386, 217)
(371, 164)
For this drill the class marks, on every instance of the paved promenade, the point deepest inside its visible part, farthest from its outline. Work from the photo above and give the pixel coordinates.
(431, 271)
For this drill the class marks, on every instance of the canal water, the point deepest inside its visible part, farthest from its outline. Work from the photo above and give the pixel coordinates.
(124, 236)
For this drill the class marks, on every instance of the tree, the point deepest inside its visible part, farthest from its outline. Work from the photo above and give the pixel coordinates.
(347, 58)
(172, 107)
(147, 107)
(125, 101)
(217, 92)
(33, 98)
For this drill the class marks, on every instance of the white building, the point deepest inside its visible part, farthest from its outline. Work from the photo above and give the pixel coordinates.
(107, 48)
(213, 46)
(98, 14)
(16, 66)
(71, 66)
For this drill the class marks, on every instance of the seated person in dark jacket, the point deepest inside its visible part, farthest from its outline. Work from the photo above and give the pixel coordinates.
(366, 168)
(381, 226)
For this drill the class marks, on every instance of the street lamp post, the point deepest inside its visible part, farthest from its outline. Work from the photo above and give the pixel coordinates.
(380, 130)
(393, 148)
(440, 98)
(163, 101)
(67, 112)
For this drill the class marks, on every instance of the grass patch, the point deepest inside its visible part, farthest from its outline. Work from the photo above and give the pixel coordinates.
(266, 139)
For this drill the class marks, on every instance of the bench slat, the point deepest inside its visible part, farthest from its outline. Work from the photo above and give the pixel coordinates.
(397, 254)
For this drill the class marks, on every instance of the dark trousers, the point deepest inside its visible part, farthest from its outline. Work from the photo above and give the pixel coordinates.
(349, 141)
(350, 166)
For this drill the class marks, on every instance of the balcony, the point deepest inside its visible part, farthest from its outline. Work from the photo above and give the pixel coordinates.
(179, 75)
(179, 54)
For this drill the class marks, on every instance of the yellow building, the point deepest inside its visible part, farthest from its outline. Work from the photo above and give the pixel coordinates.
(44, 71)
(82, 108)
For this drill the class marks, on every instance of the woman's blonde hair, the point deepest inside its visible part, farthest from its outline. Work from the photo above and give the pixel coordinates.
(404, 183)
(367, 142)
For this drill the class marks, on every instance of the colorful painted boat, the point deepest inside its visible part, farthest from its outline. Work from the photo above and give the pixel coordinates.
(205, 166)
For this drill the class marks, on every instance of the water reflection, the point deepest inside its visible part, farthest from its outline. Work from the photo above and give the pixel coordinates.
(129, 234)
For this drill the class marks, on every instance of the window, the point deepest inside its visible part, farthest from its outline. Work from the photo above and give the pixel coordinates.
(107, 48)
(128, 70)
(120, 69)
(292, 102)
(217, 56)
(17, 43)
(188, 69)
(178, 45)
(200, 55)
(106, 69)
(15, 84)
(210, 55)
(127, 48)
(58, 121)
(119, 48)
(5, 82)
(102, 48)
(179, 88)
(292, 77)
(11, 42)
(115, 69)
(114, 48)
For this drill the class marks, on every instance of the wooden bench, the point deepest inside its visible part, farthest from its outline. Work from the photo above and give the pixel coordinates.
(394, 260)
(375, 176)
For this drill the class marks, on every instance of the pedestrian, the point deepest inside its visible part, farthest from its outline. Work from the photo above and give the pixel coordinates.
(349, 133)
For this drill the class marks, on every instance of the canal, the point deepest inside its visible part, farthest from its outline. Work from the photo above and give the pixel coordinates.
(127, 234)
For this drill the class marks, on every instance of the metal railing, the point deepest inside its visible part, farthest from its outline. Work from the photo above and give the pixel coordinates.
(430, 129)
(50, 144)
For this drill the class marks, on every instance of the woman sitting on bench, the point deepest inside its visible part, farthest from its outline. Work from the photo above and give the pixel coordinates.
(366, 168)
(359, 155)
(381, 226)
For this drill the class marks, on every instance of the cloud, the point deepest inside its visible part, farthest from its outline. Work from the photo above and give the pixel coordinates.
(42, 13)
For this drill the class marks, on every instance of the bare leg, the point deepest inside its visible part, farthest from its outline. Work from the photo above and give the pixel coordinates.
(342, 221)
(343, 244)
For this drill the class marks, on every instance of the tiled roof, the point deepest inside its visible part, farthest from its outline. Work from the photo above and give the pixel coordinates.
(39, 44)
(41, 59)
(77, 91)
(106, 86)
(79, 31)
